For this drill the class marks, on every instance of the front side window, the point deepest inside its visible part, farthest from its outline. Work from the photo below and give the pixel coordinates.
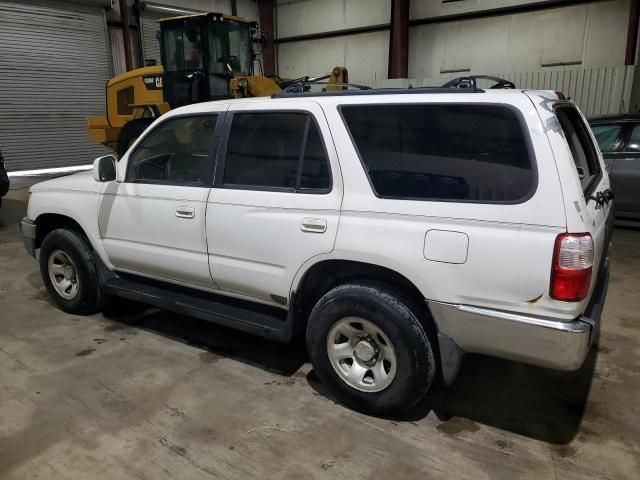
(443, 152)
(633, 145)
(276, 151)
(606, 136)
(176, 152)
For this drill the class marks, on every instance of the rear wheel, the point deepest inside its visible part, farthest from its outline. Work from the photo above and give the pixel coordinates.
(130, 133)
(69, 272)
(368, 346)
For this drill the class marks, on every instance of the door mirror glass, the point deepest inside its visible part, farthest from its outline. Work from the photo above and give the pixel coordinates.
(104, 169)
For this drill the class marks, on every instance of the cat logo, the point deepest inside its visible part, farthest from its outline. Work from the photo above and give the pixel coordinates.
(152, 82)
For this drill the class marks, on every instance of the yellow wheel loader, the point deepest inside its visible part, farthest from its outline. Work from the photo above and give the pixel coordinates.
(207, 56)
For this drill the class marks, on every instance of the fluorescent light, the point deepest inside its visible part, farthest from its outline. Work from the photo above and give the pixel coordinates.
(44, 171)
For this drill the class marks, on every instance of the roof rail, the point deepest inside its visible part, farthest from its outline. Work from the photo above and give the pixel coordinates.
(304, 85)
(471, 82)
(375, 91)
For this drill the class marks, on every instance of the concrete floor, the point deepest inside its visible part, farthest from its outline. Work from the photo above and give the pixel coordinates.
(153, 395)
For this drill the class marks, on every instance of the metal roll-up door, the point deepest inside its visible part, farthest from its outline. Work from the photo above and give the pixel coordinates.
(150, 28)
(54, 65)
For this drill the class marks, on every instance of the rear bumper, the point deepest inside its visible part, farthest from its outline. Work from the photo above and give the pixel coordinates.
(28, 229)
(525, 338)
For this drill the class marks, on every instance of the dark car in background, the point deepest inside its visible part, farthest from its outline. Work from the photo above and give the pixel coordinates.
(619, 140)
(4, 179)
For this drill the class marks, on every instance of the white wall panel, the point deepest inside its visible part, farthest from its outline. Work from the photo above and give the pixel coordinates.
(365, 56)
(301, 17)
(606, 33)
(592, 35)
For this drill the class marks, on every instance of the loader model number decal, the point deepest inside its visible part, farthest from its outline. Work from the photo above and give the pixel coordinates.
(152, 82)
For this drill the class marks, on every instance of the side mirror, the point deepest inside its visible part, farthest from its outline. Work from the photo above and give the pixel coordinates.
(104, 169)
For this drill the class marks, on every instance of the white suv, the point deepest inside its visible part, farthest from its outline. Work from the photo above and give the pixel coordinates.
(395, 229)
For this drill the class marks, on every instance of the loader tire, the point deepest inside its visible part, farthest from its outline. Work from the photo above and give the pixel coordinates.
(130, 133)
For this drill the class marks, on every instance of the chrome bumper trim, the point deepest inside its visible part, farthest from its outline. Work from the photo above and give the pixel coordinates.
(577, 326)
(534, 340)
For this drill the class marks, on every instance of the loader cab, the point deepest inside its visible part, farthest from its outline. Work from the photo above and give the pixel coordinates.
(201, 54)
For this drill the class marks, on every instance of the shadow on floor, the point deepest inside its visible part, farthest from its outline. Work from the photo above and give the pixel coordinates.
(535, 402)
(213, 340)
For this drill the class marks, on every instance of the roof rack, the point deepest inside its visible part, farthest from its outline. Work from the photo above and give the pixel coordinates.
(303, 86)
(468, 84)
(375, 91)
(470, 81)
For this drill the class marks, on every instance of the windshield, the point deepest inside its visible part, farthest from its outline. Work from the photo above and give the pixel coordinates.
(230, 48)
(182, 49)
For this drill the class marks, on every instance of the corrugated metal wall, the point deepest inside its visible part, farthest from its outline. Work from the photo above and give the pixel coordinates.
(150, 28)
(54, 65)
(597, 91)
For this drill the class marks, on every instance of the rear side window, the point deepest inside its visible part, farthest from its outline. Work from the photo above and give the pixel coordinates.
(582, 149)
(606, 136)
(476, 153)
(276, 151)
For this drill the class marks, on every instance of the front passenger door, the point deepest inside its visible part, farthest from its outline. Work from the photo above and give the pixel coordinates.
(153, 221)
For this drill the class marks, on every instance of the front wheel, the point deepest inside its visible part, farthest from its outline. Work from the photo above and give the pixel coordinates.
(369, 347)
(69, 272)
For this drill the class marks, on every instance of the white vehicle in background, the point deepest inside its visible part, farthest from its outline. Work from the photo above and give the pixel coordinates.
(395, 229)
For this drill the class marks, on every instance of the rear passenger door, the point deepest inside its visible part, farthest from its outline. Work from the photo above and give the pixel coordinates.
(276, 198)
(625, 176)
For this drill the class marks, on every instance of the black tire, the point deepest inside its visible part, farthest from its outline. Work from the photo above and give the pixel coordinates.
(398, 320)
(130, 132)
(89, 298)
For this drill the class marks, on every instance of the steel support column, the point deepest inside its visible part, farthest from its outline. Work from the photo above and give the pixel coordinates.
(265, 13)
(632, 33)
(126, 40)
(399, 39)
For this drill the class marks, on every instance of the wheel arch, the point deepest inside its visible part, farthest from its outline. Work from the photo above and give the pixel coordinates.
(323, 275)
(47, 222)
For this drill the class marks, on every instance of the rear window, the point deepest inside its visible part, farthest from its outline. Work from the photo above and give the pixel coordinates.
(583, 150)
(476, 153)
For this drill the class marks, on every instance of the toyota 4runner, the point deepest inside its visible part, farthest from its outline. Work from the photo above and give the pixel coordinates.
(394, 229)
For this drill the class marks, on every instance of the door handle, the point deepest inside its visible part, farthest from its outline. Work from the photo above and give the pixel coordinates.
(185, 212)
(315, 225)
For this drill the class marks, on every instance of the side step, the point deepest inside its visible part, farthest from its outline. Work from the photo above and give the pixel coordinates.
(262, 320)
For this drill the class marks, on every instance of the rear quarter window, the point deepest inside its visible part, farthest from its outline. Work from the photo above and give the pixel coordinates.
(443, 152)
(583, 151)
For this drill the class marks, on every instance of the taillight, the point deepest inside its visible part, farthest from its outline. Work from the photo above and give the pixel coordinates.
(560, 95)
(572, 265)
